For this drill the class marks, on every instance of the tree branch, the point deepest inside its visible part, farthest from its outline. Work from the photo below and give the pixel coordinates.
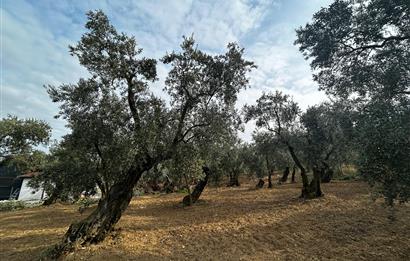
(380, 45)
(132, 103)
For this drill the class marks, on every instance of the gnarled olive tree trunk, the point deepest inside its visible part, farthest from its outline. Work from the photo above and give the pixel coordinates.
(312, 189)
(194, 196)
(326, 174)
(314, 186)
(285, 175)
(233, 180)
(101, 221)
(260, 184)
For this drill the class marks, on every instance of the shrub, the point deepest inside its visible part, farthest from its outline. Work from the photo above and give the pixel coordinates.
(10, 205)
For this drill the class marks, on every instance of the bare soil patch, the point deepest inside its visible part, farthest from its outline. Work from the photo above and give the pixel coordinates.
(227, 224)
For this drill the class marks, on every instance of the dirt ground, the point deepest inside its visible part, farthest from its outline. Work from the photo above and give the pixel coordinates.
(228, 224)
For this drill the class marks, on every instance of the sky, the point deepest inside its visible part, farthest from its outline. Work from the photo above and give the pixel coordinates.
(35, 36)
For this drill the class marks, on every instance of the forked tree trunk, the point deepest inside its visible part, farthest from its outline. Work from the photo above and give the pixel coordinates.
(233, 180)
(293, 174)
(101, 221)
(313, 189)
(314, 186)
(190, 199)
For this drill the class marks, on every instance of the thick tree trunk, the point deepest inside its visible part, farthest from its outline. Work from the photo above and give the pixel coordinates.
(313, 189)
(194, 196)
(314, 185)
(285, 175)
(168, 185)
(101, 221)
(270, 185)
(233, 180)
(51, 199)
(293, 174)
(326, 174)
(260, 184)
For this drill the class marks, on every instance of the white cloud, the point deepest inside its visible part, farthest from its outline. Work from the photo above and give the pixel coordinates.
(36, 35)
(31, 57)
(280, 67)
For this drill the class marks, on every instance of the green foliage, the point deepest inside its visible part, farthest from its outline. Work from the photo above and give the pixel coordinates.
(231, 160)
(279, 115)
(68, 172)
(383, 135)
(11, 205)
(254, 163)
(272, 150)
(17, 139)
(186, 163)
(85, 202)
(275, 112)
(120, 129)
(329, 134)
(19, 136)
(359, 47)
(33, 161)
(360, 50)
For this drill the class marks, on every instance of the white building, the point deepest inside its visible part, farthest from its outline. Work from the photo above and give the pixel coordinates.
(26, 193)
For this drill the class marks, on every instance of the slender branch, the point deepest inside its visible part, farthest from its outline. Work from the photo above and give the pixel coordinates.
(380, 45)
(193, 127)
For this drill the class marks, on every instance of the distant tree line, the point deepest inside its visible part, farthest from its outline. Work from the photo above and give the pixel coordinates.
(123, 136)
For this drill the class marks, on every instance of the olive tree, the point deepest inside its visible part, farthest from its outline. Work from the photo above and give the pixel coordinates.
(18, 141)
(273, 151)
(360, 50)
(130, 128)
(71, 170)
(279, 114)
(329, 130)
(20, 136)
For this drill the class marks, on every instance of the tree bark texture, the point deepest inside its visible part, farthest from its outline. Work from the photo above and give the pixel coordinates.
(194, 196)
(293, 174)
(260, 184)
(270, 185)
(326, 174)
(102, 220)
(285, 175)
(233, 180)
(312, 189)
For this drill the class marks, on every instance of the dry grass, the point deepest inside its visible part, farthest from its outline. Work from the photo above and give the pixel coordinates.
(228, 224)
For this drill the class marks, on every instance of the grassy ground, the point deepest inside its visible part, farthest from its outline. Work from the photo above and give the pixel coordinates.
(228, 224)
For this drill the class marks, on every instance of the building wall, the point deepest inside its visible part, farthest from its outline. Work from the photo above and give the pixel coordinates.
(29, 194)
